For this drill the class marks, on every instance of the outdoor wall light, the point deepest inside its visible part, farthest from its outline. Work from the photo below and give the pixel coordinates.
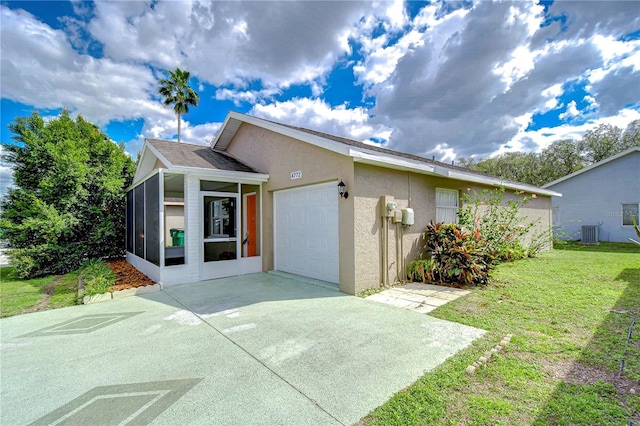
(342, 190)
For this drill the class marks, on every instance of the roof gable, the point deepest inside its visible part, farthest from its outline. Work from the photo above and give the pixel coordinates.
(630, 151)
(184, 157)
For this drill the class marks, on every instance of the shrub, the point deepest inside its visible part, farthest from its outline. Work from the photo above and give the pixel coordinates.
(422, 270)
(457, 255)
(67, 203)
(97, 276)
(46, 259)
(500, 224)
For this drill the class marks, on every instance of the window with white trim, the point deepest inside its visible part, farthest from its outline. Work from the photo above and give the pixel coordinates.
(628, 210)
(555, 215)
(446, 205)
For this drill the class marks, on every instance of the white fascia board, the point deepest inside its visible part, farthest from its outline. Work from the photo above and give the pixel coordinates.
(487, 180)
(222, 127)
(142, 179)
(419, 167)
(235, 176)
(158, 155)
(144, 158)
(390, 162)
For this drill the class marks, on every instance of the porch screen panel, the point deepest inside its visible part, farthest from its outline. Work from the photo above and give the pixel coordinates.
(152, 219)
(138, 217)
(130, 232)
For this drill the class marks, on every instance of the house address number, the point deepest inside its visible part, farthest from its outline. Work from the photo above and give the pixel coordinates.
(296, 175)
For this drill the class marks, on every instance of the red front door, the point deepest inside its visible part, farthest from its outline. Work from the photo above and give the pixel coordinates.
(252, 247)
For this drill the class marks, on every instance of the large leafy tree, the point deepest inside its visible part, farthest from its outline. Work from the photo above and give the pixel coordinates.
(67, 203)
(557, 160)
(601, 143)
(176, 91)
(561, 157)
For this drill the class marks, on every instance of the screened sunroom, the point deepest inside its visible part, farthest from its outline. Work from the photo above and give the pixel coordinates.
(193, 215)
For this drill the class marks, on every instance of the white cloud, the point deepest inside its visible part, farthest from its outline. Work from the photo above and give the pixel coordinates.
(540, 139)
(521, 63)
(277, 43)
(442, 152)
(461, 78)
(571, 111)
(40, 68)
(478, 78)
(238, 97)
(316, 114)
(551, 95)
(395, 16)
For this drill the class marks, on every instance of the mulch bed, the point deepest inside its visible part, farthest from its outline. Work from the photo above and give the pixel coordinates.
(127, 276)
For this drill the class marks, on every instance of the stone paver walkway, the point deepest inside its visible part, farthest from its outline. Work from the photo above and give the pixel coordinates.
(418, 297)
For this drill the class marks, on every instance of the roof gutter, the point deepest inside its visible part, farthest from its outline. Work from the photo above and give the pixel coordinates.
(487, 180)
(397, 163)
(223, 174)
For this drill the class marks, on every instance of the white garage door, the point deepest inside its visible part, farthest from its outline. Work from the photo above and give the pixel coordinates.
(306, 231)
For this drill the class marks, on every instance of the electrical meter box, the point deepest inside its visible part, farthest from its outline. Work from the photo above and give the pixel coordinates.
(407, 216)
(387, 205)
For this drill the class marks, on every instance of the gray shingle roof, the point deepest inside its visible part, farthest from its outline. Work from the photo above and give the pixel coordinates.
(202, 156)
(388, 151)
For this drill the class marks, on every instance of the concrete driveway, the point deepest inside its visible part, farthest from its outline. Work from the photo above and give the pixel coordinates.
(256, 349)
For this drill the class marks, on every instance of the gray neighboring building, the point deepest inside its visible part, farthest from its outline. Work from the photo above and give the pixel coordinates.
(601, 198)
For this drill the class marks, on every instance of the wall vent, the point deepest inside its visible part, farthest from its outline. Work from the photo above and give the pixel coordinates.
(589, 233)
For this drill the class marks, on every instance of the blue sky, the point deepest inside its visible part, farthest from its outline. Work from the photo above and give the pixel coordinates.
(450, 80)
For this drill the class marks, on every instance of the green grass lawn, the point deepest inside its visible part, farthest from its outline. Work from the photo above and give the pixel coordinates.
(569, 312)
(18, 296)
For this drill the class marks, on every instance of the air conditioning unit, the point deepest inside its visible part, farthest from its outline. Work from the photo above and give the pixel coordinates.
(589, 233)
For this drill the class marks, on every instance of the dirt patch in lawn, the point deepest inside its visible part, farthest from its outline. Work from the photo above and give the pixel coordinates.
(127, 276)
(576, 373)
(43, 303)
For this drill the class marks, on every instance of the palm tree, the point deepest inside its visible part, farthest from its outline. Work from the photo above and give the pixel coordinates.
(177, 92)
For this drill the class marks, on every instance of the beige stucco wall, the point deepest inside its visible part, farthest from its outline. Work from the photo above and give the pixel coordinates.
(408, 189)
(279, 155)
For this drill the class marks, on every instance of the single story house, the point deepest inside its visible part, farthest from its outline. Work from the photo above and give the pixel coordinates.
(267, 196)
(599, 200)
